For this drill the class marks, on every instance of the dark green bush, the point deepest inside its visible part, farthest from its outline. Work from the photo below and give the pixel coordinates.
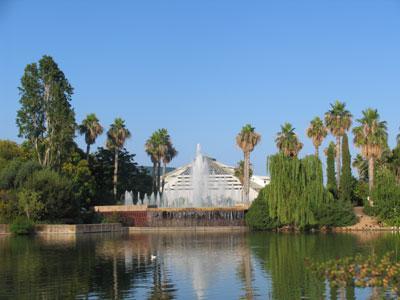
(386, 198)
(8, 206)
(26, 170)
(22, 226)
(8, 174)
(335, 213)
(55, 193)
(112, 218)
(257, 217)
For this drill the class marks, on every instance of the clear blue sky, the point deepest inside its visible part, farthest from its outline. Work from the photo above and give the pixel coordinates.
(202, 69)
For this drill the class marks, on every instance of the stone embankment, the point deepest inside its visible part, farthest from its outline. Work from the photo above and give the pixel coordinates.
(71, 229)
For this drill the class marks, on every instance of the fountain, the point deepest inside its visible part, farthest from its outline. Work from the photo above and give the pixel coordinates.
(128, 199)
(204, 193)
(206, 188)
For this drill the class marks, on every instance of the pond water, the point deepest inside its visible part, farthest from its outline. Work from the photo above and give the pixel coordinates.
(180, 265)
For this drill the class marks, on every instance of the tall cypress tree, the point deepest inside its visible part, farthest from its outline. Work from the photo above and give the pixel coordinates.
(346, 179)
(330, 169)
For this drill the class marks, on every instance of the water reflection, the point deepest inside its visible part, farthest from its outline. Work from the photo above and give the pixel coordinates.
(180, 265)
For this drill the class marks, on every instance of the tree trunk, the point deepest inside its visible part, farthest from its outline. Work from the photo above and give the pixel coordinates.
(246, 185)
(154, 177)
(338, 161)
(115, 179)
(87, 151)
(163, 178)
(371, 172)
(38, 153)
(158, 176)
(316, 151)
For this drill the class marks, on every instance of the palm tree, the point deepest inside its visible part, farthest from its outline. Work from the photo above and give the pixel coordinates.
(287, 141)
(151, 150)
(362, 167)
(239, 171)
(116, 137)
(247, 139)
(317, 132)
(338, 120)
(371, 137)
(157, 147)
(91, 128)
(168, 157)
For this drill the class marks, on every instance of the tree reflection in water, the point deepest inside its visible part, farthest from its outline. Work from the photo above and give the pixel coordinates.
(187, 265)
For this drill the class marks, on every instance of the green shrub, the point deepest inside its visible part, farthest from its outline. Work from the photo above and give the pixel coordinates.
(361, 192)
(112, 218)
(8, 174)
(8, 206)
(83, 183)
(22, 226)
(30, 204)
(386, 198)
(335, 213)
(10, 150)
(257, 217)
(55, 194)
(25, 171)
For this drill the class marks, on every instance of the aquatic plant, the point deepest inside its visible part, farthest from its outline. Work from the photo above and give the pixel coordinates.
(360, 271)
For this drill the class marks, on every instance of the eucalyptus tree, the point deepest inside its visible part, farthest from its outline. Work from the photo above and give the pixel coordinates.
(247, 139)
(371, 137)
(338, 120)
(91, 128)
(116, 138)
(287, 141)
(317, 132)
(46, 118)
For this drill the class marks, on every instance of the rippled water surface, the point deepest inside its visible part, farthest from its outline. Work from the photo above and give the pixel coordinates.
(179, 265)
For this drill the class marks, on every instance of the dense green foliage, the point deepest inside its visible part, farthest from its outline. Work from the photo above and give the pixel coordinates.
(296, 197)
(46, 118)
(21, 226)
(296, 189)
(346, 178)
(330, 169)
(257, 217)
(8, 174)
(335, 213)
(386, 198)
(131, 177)
(56, 194)
(8, 206)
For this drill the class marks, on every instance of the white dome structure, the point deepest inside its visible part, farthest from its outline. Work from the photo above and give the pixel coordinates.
(206, 182)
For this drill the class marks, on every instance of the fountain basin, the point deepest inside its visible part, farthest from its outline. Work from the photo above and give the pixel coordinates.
(144, 216)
